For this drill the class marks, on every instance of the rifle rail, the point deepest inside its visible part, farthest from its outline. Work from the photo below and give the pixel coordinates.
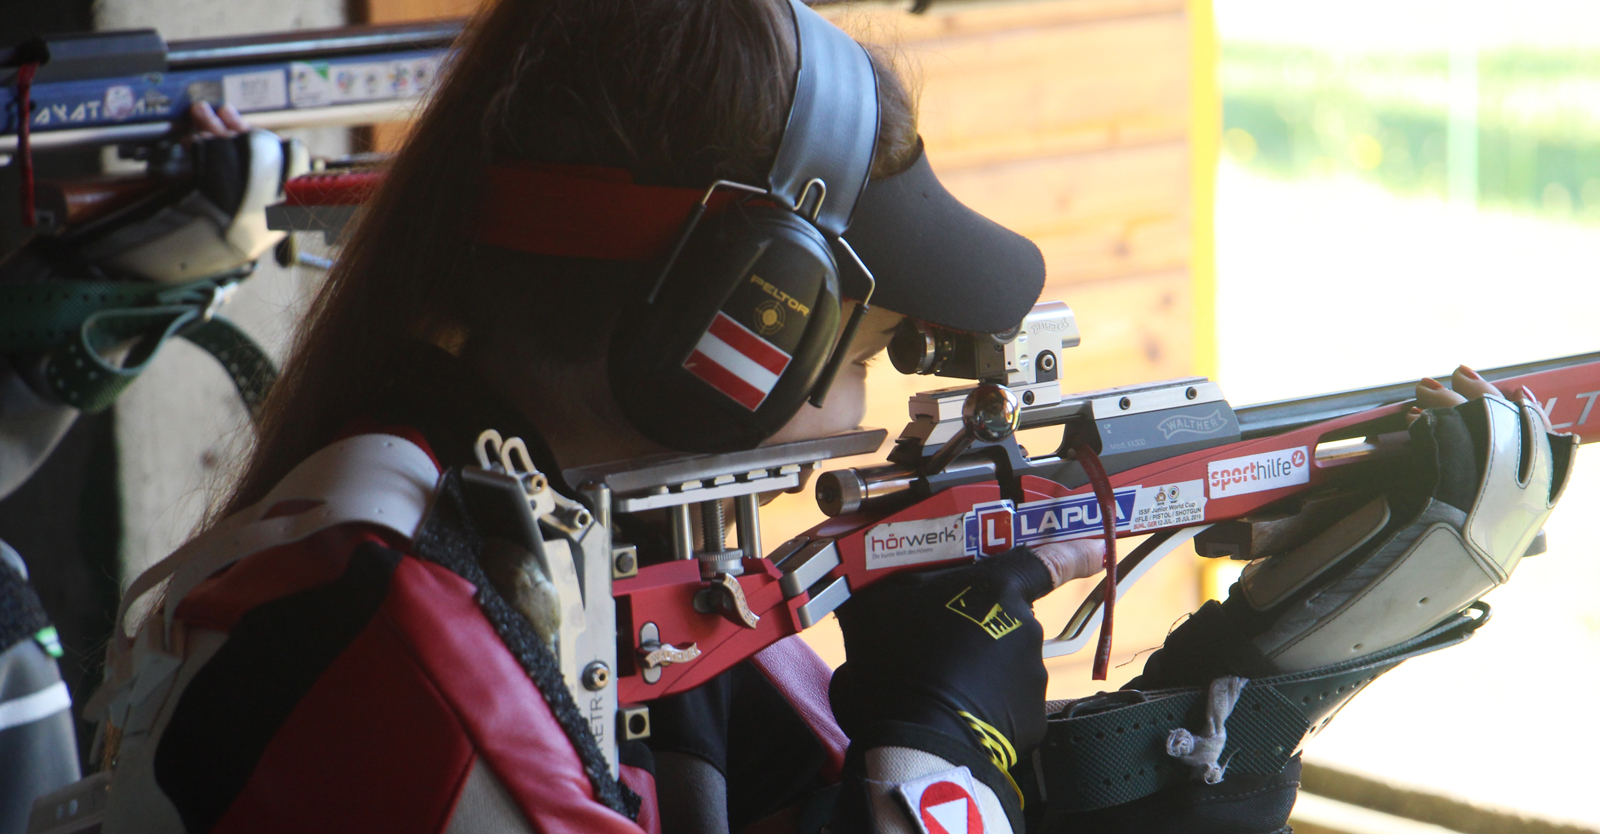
(1265, 419)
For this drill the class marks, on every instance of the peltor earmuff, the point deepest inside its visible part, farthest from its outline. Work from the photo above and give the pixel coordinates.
(736, 339)
(743, 325)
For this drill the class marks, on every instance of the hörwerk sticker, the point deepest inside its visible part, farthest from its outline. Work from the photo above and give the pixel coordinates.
(901, 543)
(1169, 505)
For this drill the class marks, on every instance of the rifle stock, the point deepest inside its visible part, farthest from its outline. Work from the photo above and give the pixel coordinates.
(1255, 473)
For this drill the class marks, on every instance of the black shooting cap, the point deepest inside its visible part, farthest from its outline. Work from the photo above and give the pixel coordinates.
(935, 260)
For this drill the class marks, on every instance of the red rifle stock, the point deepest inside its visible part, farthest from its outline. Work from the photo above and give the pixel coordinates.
(664, 594)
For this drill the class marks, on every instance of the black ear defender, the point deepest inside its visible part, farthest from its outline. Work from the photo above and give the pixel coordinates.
(743, 326)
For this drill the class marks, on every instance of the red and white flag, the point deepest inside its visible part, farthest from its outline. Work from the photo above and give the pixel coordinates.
(943, 803)
(734, 360)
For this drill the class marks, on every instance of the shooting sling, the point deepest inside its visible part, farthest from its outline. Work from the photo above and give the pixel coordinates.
(81, 327)
(1110, 749)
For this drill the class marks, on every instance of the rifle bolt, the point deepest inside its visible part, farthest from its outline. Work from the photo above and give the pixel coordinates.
(596, 676)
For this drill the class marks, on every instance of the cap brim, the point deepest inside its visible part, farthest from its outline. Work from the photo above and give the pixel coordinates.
(938, 261)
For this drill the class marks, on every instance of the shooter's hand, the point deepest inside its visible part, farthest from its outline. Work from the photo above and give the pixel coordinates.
(216, 123)
(1449, 521)
(1465, 385)
(949, 661)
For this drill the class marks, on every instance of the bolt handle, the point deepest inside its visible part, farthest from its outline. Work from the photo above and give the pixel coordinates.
(990, 413)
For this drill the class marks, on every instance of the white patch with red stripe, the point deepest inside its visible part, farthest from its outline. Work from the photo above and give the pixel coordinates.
(943, 803)
(734, 360)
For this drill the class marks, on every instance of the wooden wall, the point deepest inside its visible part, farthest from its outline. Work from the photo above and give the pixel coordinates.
(1068, 121)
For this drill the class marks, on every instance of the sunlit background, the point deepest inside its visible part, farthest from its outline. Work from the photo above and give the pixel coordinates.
(1402, 186)
(1406, 185)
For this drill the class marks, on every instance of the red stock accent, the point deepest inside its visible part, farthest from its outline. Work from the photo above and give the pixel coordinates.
(1108, 518)
(585, 211)
(1569, 396)
(348, 188)
(24, 128)
(664, 594)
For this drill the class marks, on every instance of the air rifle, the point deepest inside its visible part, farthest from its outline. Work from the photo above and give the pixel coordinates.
(1182, 465)
(132, 87)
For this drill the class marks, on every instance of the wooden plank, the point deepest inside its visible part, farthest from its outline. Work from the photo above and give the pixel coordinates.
(998, 92)
(1052, 90)
(1058, 194)
(945, 19)
(1135, 329)
(955, 18)
(1112, 212)
(399, 11)
(1116, 246)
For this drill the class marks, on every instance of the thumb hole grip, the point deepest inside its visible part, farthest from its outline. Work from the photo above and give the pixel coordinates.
(1563, 447)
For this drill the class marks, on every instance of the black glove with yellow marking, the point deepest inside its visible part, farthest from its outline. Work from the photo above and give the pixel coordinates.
(948, 662)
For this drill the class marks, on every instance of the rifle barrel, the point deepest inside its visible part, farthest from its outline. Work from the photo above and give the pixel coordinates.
(308, 44)
(1287, 415)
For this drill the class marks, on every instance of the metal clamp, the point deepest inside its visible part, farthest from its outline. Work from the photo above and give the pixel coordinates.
(653, 654)
(725, 596)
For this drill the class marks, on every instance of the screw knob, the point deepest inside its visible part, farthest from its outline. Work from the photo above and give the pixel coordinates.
(991, 412)
(596, 676)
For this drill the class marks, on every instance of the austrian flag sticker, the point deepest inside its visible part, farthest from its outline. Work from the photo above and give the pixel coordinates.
(943, 803)
(734, 360)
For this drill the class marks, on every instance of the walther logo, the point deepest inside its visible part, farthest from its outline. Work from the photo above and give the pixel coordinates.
(1256, 473)
(915, 542)
(1188, 424)
(783, 298)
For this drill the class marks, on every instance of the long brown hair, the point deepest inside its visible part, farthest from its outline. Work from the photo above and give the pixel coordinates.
(680, 92)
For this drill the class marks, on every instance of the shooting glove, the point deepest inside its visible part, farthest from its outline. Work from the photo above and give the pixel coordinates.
(1456, 517)
(1447, 525)
(948, 662)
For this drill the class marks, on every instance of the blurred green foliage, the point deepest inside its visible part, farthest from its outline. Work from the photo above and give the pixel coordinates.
(1295, 112)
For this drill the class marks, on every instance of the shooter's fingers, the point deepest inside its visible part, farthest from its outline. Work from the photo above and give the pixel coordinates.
(1072, 560)
(1431, 393)
(1469, 384)
(1466, 383)
(206, 121)
(234, 122)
